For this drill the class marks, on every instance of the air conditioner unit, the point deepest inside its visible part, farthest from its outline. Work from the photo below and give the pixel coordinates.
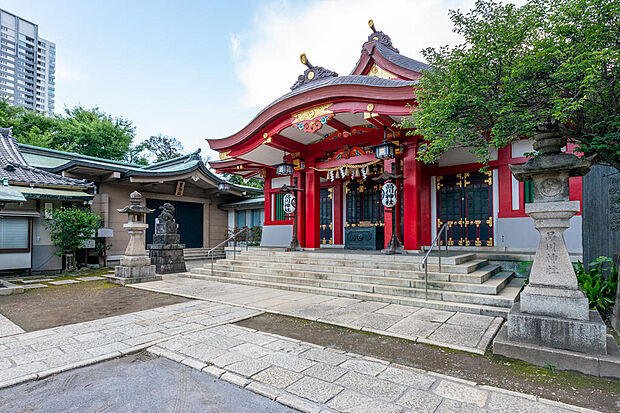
(68, 261)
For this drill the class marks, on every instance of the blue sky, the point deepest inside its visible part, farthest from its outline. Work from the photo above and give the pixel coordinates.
(198, 69)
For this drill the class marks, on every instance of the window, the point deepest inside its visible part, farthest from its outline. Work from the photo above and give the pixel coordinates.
(240, 221)
(256, 220)
(14, 233)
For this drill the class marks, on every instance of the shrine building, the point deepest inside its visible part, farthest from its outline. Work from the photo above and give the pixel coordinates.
(332, 135)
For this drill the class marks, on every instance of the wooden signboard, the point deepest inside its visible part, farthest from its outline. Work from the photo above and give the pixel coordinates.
(180, 188)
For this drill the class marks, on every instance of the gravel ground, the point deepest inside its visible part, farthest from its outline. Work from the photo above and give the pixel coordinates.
(73, 303)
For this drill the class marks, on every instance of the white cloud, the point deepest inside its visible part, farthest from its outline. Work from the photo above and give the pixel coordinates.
(235, 45)
(331, 33)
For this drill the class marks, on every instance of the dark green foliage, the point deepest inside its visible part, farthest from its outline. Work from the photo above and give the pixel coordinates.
(237, 180)
(549, 61)
(161, 147)
(86, 131)
(599, 284)
(94, 133)
(252, 236)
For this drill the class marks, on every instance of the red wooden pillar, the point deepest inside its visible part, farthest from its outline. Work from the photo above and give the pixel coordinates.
(411, 194)
(268, 176)
(299, 176)
(338, 215)
(424, 205)
(313, 193)
(504, 177)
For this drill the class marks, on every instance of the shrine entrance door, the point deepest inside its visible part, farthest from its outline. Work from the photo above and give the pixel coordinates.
(465, 203)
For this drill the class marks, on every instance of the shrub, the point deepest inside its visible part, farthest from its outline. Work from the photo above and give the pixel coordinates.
(71, 227)
(599, 284)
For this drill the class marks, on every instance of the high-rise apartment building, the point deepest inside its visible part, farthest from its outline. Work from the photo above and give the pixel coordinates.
(27, 64)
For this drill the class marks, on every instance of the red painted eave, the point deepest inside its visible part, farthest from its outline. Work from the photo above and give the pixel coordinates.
(374, 94)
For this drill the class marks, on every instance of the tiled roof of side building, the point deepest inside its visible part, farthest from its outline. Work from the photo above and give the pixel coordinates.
(55, 162)
(14, 166)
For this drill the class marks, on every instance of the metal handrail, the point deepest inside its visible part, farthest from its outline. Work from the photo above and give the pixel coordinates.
(232, 237)
(425, 260)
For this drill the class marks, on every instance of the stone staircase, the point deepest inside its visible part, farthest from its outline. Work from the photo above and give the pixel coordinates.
(201, 253)
(465, 282)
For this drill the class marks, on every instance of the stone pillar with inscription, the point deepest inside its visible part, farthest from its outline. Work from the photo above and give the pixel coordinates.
(553, 313)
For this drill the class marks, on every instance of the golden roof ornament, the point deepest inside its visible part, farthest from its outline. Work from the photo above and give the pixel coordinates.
(311, 73)
(380, 37)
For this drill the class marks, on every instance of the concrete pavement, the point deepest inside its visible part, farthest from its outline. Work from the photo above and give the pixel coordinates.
(312, 378)
(39, 354)
(461, 331)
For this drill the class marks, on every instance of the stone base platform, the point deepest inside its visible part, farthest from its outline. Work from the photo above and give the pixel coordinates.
(131, 275)
(7, 288)
(132, 280)
(596, 365)
(586, 336)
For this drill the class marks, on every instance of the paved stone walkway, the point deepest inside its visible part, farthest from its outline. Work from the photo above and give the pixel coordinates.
(8, 328)
(42, 353)
(33, 282)
(461, 331)
(312, 378)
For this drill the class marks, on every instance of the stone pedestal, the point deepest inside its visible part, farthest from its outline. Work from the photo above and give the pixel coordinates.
(135, 266)
(553, 319)
(166, 252)
(553, 311)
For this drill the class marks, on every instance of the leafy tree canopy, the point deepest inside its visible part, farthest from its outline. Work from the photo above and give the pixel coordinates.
(548, 62)
(93, 132)
(71, 227)
(162, 147)
(237, 180)
(86, 131)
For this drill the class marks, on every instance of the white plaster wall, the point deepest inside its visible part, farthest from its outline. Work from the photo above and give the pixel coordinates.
(433, 206)
(520, 148)
(277, 183)
(461, 156)
(277, 236)
(231, 219)
(520, 235)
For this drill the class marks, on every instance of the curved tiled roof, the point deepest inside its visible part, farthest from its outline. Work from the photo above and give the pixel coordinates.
(358, 80)
(402, 61)
(14, 167)
(343, 80)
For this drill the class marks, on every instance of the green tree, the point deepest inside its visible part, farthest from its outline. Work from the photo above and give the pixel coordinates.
(28, 123)
(162, 147)
(548, 62)
(70, 227)
(237, 180)
(35, 137)
(8, 113)
(93, 132)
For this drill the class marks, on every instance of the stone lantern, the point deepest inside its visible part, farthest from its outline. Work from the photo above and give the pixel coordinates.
(135, 266)
(553, 323)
